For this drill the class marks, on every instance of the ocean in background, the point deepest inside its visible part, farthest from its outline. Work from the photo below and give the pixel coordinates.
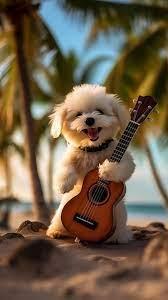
(148, 212)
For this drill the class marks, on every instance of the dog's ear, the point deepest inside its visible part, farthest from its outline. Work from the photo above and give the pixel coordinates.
(119, 110)
(57, 119)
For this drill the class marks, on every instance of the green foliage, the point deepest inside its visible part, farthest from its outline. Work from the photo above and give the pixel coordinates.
(63, 76)
(90, 68)
(38, 43)
(108, 16)
(139, 57)
(7, 144)
(115, 9)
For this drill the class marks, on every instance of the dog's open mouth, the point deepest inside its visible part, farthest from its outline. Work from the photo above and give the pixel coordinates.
(93, 133)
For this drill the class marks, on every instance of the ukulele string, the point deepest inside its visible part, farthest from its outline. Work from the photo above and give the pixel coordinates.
(96, 196)
(91, 213)
(91, 208)
(92, 205)
(89, 204)
(98, 193)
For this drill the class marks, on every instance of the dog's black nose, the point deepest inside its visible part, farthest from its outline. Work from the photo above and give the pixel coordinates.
(90, 121)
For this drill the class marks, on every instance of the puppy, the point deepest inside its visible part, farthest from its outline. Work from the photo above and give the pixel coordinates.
(88, 118)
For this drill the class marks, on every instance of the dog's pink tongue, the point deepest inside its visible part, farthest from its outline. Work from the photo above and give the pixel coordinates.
(93, 133)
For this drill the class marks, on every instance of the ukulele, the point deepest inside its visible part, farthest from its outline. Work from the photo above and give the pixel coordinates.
(90, 216)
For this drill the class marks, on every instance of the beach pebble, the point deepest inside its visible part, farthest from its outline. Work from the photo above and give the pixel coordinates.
(157, 225)
(140, 235)
(12, 235)
(148, 232)
(28, 227)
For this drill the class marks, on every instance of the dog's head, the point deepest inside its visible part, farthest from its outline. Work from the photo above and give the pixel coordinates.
(89, 116)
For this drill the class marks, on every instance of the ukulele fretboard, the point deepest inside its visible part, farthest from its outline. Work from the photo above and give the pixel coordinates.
(124, 141)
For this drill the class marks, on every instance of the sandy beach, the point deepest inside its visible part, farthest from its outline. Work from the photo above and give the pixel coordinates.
(33, 266)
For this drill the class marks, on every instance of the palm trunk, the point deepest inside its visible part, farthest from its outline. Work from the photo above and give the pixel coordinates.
(156, 174)
(50, 172)
(40, 208)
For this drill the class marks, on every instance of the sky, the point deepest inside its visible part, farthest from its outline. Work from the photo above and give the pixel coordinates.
(72, 35)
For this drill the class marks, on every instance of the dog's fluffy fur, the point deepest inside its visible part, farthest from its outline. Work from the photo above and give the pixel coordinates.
(90, 101)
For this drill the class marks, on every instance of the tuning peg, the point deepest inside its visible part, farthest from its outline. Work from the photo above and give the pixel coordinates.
(134, 100)
(150, 119)
(156, 111)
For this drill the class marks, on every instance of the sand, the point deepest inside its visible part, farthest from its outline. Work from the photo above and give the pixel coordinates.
(33, 266)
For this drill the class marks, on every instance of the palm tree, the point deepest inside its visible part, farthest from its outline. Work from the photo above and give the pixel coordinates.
(23, 37)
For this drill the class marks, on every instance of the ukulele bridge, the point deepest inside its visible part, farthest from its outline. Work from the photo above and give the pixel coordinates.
(85, 221)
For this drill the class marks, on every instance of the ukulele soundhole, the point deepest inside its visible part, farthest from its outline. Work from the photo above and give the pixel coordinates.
(98, 194)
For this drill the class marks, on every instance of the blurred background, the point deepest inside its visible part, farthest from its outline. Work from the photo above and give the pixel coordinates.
(47, 47)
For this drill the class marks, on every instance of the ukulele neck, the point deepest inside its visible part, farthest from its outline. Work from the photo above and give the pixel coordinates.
(124, 141)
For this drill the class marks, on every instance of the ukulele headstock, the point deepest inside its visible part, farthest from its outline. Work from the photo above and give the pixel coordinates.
(143, 107)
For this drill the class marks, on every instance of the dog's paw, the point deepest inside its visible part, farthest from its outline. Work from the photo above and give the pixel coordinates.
(110, 171)
(121, 236)
(55, 234)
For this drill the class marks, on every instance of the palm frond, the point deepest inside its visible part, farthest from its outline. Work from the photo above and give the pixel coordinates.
(8, 96)
(6, 66)
(48, 42)
(41, 126)
(63, 73)
(40, 95)
(17, 148)
(90, 68)
(6, 46)
(159, 90)
(160, 86)
(7, 6)
(98, 9)
(108, 15)
(137, 58)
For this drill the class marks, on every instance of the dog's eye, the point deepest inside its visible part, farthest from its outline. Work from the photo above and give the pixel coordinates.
(100, 111)
(78, 114)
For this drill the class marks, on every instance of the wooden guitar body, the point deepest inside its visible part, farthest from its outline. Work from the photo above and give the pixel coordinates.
(90, 216)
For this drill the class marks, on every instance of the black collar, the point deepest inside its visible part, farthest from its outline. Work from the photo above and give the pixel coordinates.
(98, 148)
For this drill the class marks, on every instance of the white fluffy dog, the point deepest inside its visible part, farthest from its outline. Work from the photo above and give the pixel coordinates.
(89, 118)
